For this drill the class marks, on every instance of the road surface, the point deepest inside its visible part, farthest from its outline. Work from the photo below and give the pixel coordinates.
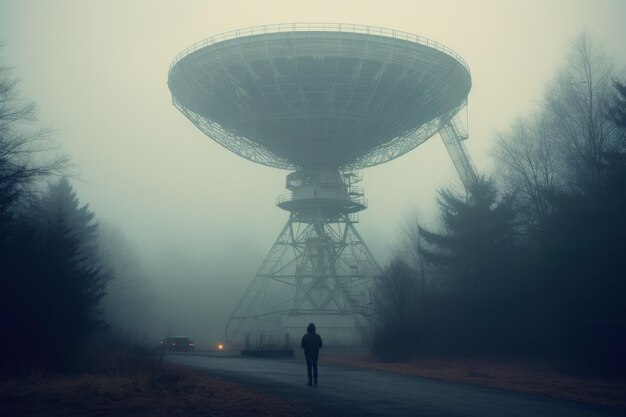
(353, 392)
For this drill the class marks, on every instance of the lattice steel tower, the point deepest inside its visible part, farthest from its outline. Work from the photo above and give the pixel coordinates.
(322, 100)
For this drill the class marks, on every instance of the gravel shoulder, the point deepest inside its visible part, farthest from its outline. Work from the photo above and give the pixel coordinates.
(345, 391)
(172, 392)
(524, 375)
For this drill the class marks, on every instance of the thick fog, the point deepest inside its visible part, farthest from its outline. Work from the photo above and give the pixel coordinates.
(200, 218)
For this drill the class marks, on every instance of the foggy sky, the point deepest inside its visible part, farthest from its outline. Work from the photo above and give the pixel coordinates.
(203, 218)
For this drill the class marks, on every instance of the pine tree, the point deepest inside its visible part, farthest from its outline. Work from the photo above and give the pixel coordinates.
(60, 206)
(53, 284)
(477, 240)
(70, 234)
(474, 256)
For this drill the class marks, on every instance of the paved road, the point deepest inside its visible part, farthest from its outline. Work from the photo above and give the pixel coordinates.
(352, 392)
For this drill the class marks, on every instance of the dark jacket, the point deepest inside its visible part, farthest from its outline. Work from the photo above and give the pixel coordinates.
(311, 342)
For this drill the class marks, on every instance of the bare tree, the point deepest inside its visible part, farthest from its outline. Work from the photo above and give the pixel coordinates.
(129, 302)
(395, 307)
(413, 242)
(576, 104)
(396, 294)
(528, 161)
(564, 147)
(26, 152)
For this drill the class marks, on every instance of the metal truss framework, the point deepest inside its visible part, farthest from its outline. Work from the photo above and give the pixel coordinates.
(318, 267)
(453, 134)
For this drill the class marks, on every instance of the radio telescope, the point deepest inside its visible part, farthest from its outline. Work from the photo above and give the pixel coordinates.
(324, 101)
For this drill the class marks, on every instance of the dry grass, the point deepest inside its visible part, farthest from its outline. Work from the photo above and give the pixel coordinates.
(520, 375)
(171, 392)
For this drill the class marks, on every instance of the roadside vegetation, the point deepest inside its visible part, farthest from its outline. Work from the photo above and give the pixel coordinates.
(542, 377)
(131, 382)
(73, 297)
(527, 260)
(62, 276)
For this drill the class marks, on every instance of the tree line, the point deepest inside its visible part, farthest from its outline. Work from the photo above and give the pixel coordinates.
(55, 264)
(526, 260)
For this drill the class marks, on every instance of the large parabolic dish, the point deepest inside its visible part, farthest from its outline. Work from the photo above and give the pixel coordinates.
(323, 100)
(302, 95)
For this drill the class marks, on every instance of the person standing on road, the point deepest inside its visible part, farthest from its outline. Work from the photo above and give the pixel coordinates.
(311, 343)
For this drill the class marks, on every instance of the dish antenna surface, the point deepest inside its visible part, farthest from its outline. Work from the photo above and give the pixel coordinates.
(323, 100)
